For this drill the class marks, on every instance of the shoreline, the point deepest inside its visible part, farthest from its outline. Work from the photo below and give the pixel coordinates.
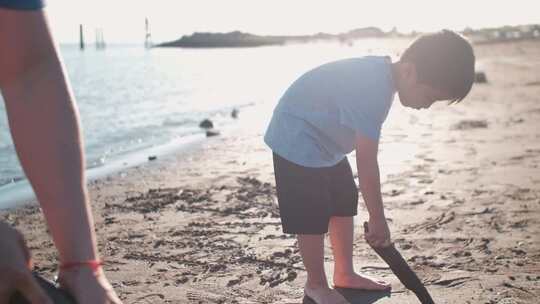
(19, 194)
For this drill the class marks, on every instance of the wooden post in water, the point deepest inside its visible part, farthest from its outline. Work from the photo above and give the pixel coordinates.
(81, 37)
(97, 39)
(100, 40)
(148, 37)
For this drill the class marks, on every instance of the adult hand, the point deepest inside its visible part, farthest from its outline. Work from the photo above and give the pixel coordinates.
(15, 274)
(377, 233)
(87, 286)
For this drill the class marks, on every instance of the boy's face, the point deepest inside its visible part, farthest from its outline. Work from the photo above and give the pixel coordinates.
(420, 96)
(414, 94)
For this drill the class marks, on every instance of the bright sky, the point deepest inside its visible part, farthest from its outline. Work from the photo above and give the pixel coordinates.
(123, 20)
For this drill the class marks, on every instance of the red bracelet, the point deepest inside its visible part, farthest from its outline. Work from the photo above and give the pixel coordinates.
(95, 265)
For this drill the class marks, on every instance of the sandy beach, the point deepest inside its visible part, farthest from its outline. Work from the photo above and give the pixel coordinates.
(461, 188)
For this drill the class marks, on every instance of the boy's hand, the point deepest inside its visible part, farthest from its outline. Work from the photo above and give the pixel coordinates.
(377, 233)
(15, 274)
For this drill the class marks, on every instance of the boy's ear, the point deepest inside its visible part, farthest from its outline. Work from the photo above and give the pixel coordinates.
(408, 72)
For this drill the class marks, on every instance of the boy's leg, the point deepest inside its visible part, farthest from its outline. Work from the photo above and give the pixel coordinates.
(341, 237)
(312, 252)
(344, 196)
(303, 206)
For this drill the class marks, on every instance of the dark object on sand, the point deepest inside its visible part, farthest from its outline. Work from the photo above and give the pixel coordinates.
(234, 113)
(57, 295)
(206, 124)
(480, 77)
(152, 157)
(403, 272)
(210, 133)
(468, 124)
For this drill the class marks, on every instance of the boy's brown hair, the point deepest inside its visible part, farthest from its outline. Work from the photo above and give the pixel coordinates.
(443, 60)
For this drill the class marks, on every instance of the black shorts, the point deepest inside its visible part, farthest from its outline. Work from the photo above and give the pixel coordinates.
(308, 197)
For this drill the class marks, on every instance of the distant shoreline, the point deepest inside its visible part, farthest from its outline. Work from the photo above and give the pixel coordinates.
(239, 39)
(505, 41)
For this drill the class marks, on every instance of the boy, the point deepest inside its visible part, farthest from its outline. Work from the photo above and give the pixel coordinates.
(324, 115)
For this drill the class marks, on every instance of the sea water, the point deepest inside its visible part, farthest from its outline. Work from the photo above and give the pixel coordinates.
(134, 100)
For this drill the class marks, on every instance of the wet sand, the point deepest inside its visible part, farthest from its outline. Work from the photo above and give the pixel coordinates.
(463, 205)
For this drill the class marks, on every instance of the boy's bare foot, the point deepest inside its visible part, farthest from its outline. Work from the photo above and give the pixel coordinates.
(357, 281)
(324, 295)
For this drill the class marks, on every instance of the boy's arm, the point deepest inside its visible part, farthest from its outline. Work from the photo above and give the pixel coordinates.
(370, 187)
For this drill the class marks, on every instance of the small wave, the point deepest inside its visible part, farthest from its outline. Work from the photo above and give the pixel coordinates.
(245, 105)
(5, 181)
(169, 122)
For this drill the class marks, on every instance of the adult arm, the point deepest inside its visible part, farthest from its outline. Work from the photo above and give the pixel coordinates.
(44, 123)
